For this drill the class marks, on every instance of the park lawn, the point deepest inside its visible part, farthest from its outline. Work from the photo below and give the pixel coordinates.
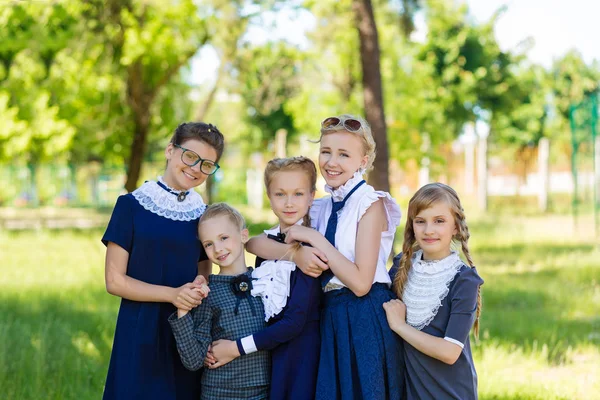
(540, 335)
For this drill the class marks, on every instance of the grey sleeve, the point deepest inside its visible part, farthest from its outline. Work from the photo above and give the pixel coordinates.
(193, 335)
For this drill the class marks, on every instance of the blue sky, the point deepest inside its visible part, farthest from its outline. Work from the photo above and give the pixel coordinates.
(555, 26)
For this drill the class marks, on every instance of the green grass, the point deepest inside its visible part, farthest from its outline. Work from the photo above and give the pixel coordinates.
(540, 335)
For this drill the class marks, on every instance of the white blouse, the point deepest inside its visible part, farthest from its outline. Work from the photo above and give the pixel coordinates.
(272, 281)
(348, 218)
(427, 286)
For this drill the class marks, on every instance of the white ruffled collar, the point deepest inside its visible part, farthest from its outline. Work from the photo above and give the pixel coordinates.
(277, 229)
(434, 266)
(340, 193)
(427, 286)
(163, 202)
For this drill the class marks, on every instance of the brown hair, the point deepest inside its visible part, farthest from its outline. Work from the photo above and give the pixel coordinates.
(220, 209)
(207, 133)
(422, 200)
(364, 134)
(300, 163)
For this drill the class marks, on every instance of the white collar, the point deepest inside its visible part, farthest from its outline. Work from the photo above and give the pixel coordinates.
(428, 284)
(340, 193)
(157, 200)
(432, 267)
(277, 229)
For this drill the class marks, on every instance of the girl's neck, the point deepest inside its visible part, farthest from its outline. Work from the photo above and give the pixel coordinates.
(283, 226)
(170, 181)
(234, 269)
(436, 256)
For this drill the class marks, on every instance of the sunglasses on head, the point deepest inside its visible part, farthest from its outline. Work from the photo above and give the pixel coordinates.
(350, 124)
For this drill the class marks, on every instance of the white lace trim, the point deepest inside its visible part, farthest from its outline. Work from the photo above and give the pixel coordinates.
(159, 201)
(340, 193)
(428, 284)
(272, 285)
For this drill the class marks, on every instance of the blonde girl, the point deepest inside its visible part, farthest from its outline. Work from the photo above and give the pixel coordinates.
(355, 226)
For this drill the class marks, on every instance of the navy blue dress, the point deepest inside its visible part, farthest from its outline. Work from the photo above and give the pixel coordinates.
(429, 378)
(144, 363)
(294, 338)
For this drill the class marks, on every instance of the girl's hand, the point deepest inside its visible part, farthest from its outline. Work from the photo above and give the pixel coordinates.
(224, 351)
(187, 296)
(299, 233)
(395, 311)
(210, 358)
(310, 260)
(202, 286)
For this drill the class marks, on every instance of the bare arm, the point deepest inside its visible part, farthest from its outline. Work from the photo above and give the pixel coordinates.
(119, 284)
(435, 347)
(357, 276)
(309, 259)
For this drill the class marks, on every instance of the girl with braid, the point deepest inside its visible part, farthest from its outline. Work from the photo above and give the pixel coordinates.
(440, 298)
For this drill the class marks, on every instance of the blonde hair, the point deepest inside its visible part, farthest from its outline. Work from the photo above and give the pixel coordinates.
(365, 134)
(422, 200)
(300, 163)
(223, 209)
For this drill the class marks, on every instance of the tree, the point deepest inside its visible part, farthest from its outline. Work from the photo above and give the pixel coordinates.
(149, 42)
(372, 89)
(268, 77)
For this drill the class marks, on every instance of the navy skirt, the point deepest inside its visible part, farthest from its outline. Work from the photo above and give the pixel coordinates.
(361, 357)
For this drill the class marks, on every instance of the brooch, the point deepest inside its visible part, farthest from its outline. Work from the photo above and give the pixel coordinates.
(241, 286)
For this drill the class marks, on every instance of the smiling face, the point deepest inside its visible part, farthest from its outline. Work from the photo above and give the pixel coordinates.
(223, 242)
(290, 196)
(341, 155)
(180, 176)
(434, 228)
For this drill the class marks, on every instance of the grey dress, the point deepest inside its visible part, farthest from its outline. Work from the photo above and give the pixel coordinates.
(429, 378)
(227, 313)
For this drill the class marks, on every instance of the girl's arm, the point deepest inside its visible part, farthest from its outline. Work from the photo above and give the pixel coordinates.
(305, 292)
(192, 335)
(357, 276)
(119, 284)
(435, 347)
(310, 260)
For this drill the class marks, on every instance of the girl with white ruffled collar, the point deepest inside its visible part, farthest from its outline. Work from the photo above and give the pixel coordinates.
(155, 263)
(440, 295)
(355, 226)
(291, 299)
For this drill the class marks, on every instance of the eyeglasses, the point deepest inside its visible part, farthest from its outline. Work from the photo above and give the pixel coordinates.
(350, 124)
(191, 158)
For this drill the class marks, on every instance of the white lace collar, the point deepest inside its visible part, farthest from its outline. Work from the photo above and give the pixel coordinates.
(158, 200)
(427, 286)
(277, 229)
(340, 193)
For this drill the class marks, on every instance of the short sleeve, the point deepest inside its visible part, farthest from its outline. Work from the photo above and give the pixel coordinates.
(463, 305)
(120, 227)
(315, 211)
(392, 210)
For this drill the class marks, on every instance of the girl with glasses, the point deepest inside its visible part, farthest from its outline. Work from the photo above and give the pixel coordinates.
(361, 357)
(156, 264)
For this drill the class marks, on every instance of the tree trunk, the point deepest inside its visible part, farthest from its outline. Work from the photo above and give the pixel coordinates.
(139, 100)
(372, 90)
